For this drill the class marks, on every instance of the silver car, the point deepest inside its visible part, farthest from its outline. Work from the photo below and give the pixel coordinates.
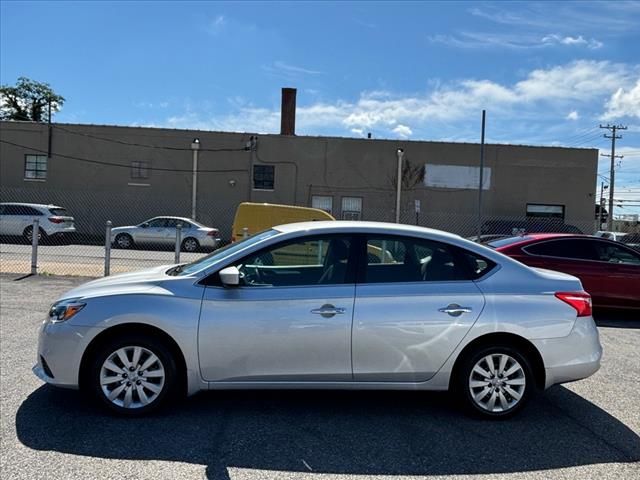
(162, 231)
(351, 305)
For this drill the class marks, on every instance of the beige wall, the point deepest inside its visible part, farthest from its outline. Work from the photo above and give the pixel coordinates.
(305, 166)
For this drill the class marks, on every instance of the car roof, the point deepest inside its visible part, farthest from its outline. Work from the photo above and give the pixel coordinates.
(337, 226)
(184, 219)
(35, 205)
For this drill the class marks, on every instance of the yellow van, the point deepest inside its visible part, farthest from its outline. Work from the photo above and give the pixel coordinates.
(256, 217)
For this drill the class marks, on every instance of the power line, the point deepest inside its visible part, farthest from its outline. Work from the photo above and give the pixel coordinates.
(584, 141)
(118, 165)
(146, 145)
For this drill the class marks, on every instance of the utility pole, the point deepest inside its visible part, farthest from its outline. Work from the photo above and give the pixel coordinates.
(195, 147)
(399, 154)
(603, 187)
(481, 179)
(49, 131)
(613, 137)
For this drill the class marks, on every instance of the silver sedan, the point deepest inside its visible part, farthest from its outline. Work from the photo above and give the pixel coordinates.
(352, 305)
(162, 231)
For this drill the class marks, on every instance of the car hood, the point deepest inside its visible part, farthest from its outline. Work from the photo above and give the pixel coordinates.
(142, 281)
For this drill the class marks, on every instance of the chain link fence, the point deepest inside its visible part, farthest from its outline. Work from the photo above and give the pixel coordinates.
(85, 251)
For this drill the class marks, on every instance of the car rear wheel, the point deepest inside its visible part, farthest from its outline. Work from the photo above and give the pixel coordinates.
(28, 234)
(495, 381)
(190, 244)
(133, 375)
(124, 240)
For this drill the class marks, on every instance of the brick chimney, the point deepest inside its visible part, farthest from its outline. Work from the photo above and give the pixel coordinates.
(288, 113)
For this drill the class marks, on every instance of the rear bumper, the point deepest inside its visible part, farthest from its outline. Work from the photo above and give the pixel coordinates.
(59, 232)
(573, 357)
(209, 242)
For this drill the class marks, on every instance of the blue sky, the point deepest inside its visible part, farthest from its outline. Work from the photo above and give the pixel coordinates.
(547, 73)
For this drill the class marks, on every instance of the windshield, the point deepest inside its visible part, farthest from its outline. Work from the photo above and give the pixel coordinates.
(503, 242)
(221, 253)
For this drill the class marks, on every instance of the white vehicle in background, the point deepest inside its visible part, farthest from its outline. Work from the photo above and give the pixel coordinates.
(161, 231)
(16, 219)
(615, 236)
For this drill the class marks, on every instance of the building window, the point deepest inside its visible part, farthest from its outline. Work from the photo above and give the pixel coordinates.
(35, 167)
(537, 210)
(263, 177)
(351, 208)
(139, 170)
(322, 203)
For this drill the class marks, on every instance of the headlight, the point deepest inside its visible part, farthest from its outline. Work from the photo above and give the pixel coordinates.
(64, 310)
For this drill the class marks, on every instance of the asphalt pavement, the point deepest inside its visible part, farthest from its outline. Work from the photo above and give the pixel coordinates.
(584, 430)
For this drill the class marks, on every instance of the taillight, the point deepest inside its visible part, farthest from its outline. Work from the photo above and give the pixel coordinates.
(213, 233)
(581, 301)
(56, 220)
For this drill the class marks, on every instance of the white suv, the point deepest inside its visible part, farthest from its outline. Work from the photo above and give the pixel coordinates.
(16, 219)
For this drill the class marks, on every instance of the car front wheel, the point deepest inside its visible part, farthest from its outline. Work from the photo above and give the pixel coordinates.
(495, 381)
(133, 375)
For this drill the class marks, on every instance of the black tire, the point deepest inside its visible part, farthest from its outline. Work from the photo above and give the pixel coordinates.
(190, 245)
(132, 380)
(28, 232)
(465, 393)
(123, 240)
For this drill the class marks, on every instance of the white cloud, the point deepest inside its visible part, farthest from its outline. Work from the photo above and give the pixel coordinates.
(623, 103)
(294, 69)
(403, 131)
(555, 39)
(216, 25)
(517, 40)
(559, 89)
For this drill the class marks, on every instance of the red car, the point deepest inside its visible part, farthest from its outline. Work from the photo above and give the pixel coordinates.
(609, 271)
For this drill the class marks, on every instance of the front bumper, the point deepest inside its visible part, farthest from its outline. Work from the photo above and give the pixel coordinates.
(573, 357)
(62, 345)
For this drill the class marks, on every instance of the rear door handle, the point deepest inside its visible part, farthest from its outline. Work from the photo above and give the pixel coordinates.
(455, 310)
(327, 310)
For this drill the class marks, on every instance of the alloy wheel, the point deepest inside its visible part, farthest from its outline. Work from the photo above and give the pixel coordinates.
(190, 245)
(132, 377)
(497, 383)
(123, 241)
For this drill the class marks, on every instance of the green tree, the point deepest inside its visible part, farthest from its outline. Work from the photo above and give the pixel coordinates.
(28, 100)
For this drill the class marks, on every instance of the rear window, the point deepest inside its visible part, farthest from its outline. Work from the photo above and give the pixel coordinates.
(60, 212)
(503, 242)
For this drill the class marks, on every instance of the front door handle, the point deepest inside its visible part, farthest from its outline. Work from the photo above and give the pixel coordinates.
(455, 310)
(327, 310)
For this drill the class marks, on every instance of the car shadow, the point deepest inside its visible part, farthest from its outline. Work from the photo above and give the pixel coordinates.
(368, 433)
(617, 318)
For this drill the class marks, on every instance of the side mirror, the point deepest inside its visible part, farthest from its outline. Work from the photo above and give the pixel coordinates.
(230, 276)
(145, 225)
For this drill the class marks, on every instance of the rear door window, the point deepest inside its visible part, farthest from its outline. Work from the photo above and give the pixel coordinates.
(576, 249)
(393, 259)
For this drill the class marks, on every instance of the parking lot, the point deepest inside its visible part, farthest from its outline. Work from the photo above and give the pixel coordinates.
(588, 429)
(83, 260)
